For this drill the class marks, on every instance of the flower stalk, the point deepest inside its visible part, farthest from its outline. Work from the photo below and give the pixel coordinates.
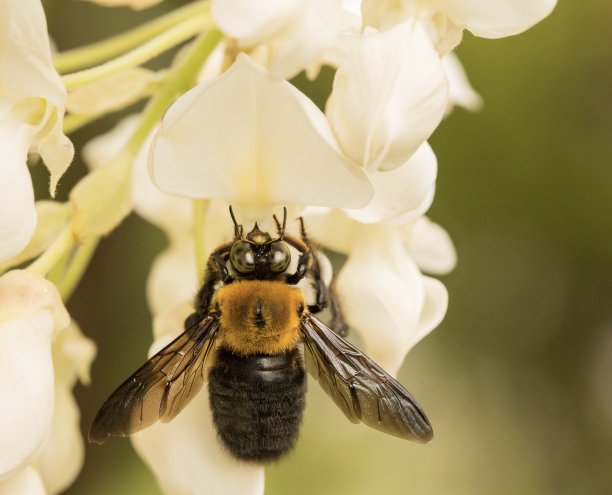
(95, 53)
(147, 51)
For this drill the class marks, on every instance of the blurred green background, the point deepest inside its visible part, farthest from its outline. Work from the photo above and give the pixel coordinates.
(517, 381)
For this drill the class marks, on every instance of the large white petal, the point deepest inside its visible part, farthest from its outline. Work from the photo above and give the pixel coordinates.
(497, 18)
(388, 97)
(25, 482)
(246, 138)
(31, 312)
(383, 295)
(17, 211)
(185, 454)
(402, 190)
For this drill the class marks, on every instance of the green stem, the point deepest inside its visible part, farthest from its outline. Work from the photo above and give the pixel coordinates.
(145, 52)
(179, 80)
(73, 121)
(54, 253)
(199, 207)
(98, 52)
(76, 268)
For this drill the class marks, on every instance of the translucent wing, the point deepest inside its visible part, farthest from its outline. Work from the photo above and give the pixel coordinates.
(361, 389)
(161, 388)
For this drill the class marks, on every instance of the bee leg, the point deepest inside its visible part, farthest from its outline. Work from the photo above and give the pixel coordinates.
(216, 271)
(338, 323)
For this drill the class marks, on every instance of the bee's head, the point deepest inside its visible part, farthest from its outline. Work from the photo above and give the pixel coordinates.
(258, 256)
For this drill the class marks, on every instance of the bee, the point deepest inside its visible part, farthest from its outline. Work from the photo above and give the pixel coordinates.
(248, 322)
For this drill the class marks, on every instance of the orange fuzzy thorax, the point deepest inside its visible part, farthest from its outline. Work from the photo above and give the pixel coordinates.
(259, 316)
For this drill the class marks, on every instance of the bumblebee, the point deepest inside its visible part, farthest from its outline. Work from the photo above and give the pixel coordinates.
(249, 320)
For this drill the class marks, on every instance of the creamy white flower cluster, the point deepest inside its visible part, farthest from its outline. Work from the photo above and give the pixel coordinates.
(235, 131)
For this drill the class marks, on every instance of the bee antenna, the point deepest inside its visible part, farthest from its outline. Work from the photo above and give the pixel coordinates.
(237, 228)
(282, 230)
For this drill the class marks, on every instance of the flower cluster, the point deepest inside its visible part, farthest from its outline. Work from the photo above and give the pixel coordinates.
(223, 125)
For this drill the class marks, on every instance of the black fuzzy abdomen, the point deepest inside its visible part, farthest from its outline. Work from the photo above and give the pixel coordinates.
(257, 403)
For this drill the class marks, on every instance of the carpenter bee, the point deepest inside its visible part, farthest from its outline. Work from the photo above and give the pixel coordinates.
(249, 320)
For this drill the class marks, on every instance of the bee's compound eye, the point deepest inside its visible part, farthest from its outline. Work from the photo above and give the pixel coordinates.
(280, 257)
(242, 257)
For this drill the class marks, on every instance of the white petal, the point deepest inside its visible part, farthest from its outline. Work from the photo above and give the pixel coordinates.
(461, 92)
(173, 277)
(24, 294)
(62, 457)
(186, 457)
(246, 138)
(383, 295)
(497, 18)
(332, 228)
(17, 212)
(402, 190)
(166, 325)
(284, 35)
(32, 87)
(31, 313)
(54, 147)
(315, 29)
(24, 48)
(434, 308)
(252, 23)
(388, 97)
(25, 482)
(430, 246)
(27, 378)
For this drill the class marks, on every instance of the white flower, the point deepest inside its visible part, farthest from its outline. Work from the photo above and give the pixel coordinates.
(31, 315)
(385, 297)
(32, 101)
(448, 18)
(185, 454)
(389, 95)
(285, 35)
(253, 141)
